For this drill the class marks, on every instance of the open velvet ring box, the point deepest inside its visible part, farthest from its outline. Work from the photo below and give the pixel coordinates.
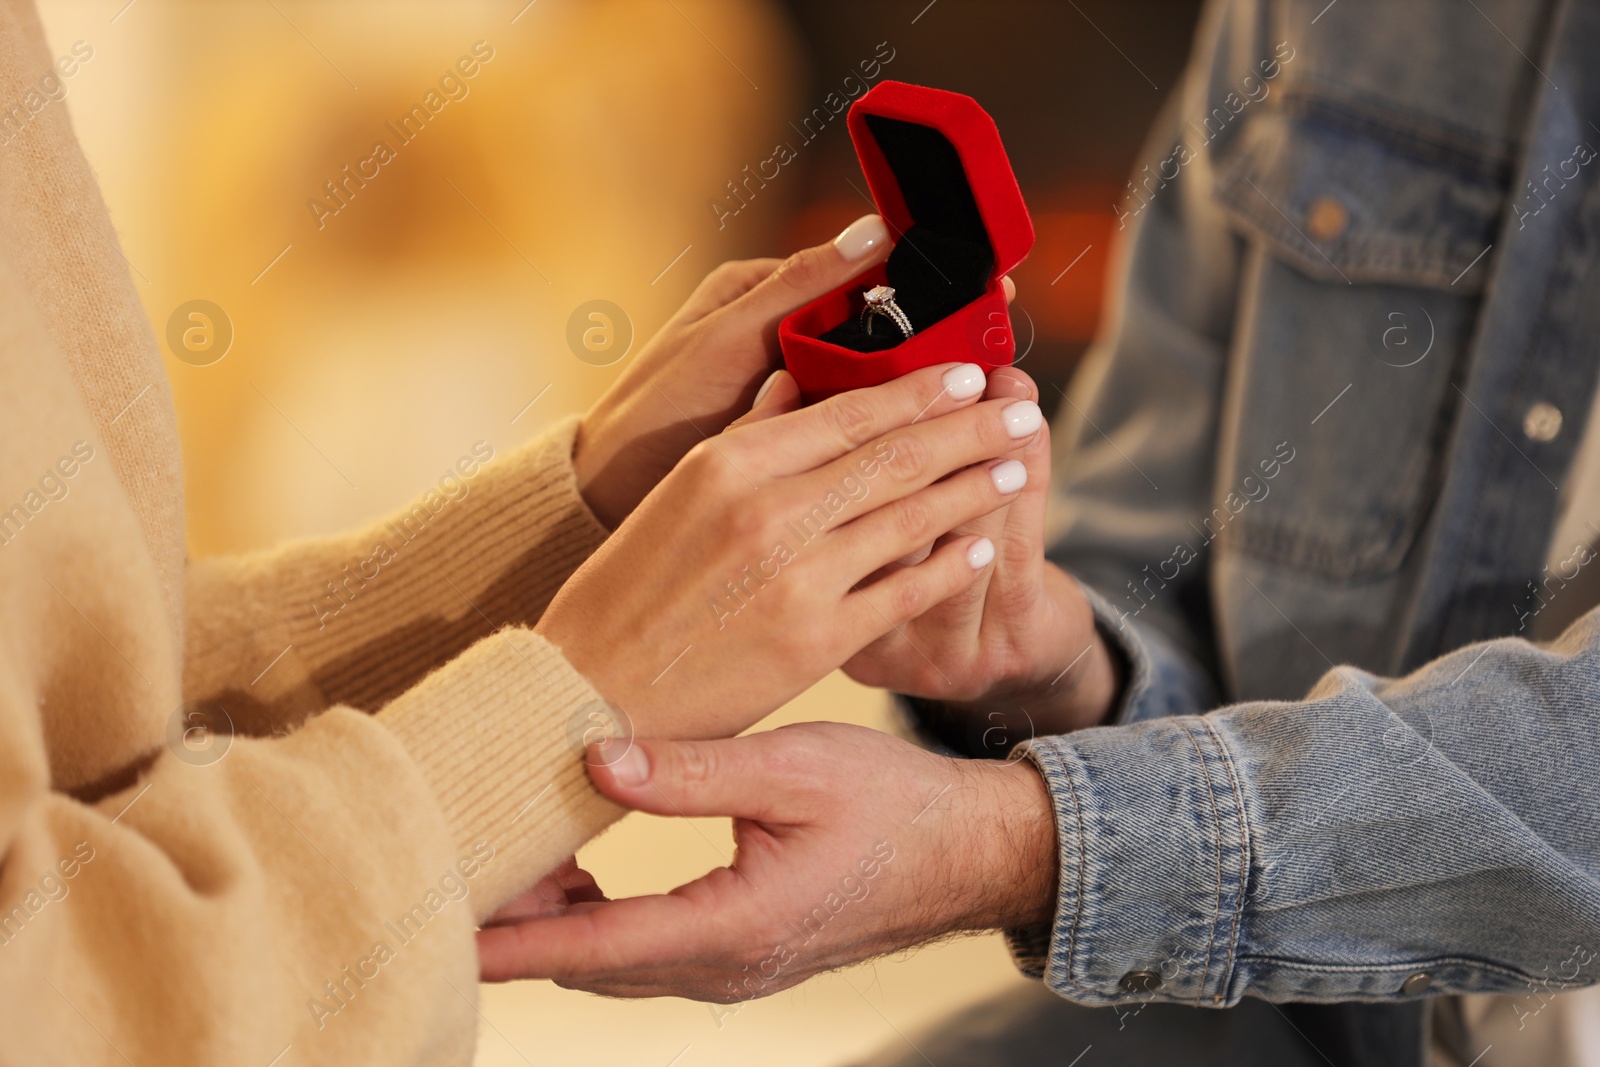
(940, 178)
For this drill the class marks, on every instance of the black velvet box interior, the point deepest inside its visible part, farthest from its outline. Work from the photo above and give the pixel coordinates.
(945, 260)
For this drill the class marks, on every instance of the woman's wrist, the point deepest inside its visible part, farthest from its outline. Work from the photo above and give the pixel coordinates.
(594, 466)
(627, 442)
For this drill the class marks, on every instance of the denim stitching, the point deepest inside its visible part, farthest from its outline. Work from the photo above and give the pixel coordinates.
(1244, 849)
(1216, 819)
(1408, 967)
(1077, 910)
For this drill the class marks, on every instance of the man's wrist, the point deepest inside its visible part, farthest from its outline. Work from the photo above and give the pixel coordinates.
(1011, 859)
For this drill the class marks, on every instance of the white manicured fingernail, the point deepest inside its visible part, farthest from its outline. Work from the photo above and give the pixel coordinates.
(861, 237)
(1009, 476)
(766, 387)
(964, 381)
(981, 554)
(1022, 418)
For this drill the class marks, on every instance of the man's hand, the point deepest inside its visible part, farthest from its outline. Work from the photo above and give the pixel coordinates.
(851, 844)
(702, 370)
(1016, 653)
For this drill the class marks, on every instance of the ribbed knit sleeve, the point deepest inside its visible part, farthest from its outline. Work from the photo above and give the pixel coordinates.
(499, 734)
(361, 617)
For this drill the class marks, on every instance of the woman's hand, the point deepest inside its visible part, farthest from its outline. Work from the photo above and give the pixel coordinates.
(742, 578)
(1015, 653)
(552, 895)
(703, 368)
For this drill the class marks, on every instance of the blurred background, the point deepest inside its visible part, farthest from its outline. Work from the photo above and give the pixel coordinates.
(362, 332)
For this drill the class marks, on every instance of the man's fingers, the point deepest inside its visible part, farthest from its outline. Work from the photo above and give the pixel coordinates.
(903, 594)
(741, 777)
(1010, 383)
(1021, 543)
(602, 943)
(592, 941)
(896, 530)
(816, 271)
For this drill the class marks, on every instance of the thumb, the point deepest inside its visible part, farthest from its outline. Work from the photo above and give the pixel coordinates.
(739, 777)
(812, 272)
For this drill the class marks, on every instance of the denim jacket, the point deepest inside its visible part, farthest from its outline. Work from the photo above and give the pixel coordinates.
(1299, 475)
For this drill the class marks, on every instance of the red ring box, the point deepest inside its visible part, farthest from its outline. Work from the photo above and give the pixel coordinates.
(940, 177)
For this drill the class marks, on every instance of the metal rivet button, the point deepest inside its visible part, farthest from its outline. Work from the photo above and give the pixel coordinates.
(1327, 219)
(1542, 422)
(1420, 982)
(1140, 982)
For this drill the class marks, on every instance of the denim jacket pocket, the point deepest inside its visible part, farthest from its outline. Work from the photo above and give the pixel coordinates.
(1355, 192)
(1367, 239)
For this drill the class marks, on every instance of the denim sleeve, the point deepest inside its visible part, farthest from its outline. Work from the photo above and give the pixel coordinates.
(1329, 849)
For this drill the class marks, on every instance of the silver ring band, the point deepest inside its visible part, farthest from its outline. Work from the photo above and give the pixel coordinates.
(879, 300)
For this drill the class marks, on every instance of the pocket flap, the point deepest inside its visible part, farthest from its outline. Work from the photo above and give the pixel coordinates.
(1346, 192)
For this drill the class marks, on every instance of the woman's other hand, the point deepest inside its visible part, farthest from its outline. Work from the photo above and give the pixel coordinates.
(702, 370)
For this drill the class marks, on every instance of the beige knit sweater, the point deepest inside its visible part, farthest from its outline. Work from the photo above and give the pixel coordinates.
(400, 764)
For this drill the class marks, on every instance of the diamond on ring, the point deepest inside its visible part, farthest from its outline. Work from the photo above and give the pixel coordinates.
(880, 301)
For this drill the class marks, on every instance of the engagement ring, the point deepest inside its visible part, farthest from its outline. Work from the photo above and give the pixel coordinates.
(880, 301)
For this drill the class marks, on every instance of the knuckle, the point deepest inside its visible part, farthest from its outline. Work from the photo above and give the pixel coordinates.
(852, 418)
(748, 523)
(695, 764)
(914, 519)
(804, 271)
(796, 764)
(908, 599)
(730, 271)
(699, 460)
(908, 457)
(713, 467)
(1017, 552)
(732, 279)
(789, 601)
(987, 431)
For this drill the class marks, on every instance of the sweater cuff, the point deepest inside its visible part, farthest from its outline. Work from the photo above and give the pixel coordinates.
(1154, 851)
(499, 733)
